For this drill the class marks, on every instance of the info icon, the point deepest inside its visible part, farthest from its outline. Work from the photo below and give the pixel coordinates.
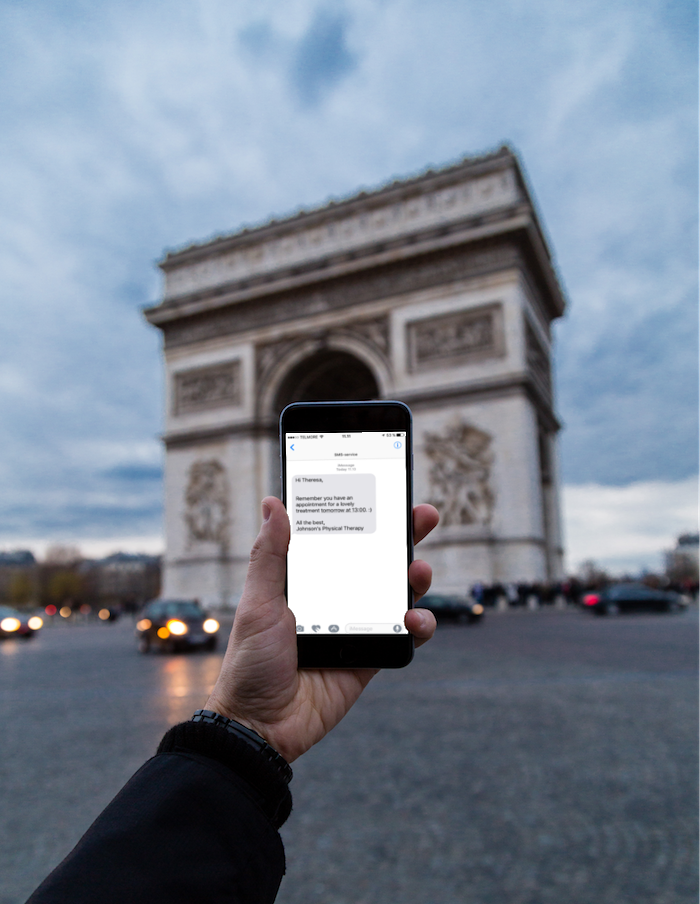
(397, 628)
(333, 629)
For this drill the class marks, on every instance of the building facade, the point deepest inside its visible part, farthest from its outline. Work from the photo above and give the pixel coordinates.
(439, 291)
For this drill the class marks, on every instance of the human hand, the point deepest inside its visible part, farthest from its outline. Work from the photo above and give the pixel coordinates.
(259, 684)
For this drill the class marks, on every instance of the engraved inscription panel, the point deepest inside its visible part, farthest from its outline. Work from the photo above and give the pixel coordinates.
(202, 388)
(461, 458)
(454, 339)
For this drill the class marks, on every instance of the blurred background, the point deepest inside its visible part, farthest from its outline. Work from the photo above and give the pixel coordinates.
(135, 128)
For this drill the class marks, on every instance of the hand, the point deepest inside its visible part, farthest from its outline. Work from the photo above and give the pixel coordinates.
(259, 684)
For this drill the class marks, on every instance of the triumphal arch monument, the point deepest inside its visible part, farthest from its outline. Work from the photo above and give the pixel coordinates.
(437, 290)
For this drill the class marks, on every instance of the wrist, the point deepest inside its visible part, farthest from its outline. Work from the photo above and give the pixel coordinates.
(240, 749)
(249, 736)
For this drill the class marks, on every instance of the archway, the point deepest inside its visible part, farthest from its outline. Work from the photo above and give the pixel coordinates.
(327, 376)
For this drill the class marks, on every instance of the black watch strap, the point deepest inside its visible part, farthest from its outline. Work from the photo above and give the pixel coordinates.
(252, 738)
(264, 771)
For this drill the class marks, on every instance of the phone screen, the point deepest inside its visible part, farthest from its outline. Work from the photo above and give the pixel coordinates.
(348, 554)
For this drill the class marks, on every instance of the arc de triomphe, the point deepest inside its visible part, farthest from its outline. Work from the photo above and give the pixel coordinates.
(437, 290)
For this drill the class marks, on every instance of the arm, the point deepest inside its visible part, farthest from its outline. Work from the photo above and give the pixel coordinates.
(199, 821)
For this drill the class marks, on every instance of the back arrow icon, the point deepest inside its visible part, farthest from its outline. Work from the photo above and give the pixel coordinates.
(292, 447)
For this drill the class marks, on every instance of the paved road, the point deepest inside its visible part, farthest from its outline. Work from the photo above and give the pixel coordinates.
(539, 758)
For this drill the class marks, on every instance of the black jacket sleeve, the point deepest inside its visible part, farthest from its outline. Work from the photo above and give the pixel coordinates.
(189, 828)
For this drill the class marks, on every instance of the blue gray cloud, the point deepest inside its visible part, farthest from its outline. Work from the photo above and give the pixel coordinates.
(322, 57)
(136, 127)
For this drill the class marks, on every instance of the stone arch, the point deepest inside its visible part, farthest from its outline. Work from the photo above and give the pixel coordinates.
(324, 371)
(327, 375)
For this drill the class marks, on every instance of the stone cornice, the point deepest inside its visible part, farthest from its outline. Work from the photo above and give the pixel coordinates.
(248, 429)
(463, 538)
(394, 278)
(508, 385)
(339, 265)
(396, 191)
(455, 207)
(386, 277)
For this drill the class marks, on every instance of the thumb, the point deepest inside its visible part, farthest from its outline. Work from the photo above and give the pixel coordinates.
(268, 558)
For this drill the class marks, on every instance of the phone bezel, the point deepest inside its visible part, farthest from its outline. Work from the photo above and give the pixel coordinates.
(354, 650)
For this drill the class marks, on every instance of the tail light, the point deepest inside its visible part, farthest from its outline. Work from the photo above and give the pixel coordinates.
(591, 599)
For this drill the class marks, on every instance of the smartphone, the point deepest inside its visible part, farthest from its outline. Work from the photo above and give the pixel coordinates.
(347, 483)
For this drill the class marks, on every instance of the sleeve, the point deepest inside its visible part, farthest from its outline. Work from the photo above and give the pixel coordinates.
(196, 824)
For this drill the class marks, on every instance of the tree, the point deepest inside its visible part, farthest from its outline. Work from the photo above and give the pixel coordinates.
(21, 590)
(62, 554)
(65, 587)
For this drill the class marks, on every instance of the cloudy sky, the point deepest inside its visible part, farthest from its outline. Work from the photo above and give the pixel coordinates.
(134, 127)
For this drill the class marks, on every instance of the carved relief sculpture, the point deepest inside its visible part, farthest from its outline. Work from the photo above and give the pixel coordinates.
(207, 387)
(459, 338)
(207, 503)
(460, 474)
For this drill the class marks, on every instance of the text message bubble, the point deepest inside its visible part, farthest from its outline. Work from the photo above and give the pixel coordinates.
(334, 504)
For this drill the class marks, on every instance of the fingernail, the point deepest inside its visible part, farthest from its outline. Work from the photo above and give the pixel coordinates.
(266, 510)
(423, 621)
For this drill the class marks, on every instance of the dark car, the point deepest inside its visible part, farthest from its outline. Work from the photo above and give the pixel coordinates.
(457, 609)
(627, 597)
(18, 624)
(171, 625)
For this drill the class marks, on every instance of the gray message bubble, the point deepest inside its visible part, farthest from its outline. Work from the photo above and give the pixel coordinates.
(334, 504)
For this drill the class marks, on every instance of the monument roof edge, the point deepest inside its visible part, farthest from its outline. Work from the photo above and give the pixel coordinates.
(474, 165)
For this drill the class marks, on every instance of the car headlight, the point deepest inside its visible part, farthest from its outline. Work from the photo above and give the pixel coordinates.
(65, 611)
(163, 633)
(35, 622)
(477, 609)
(10, 624)
(177, 627)
(211, 626)
(144, 624)
(103, 614)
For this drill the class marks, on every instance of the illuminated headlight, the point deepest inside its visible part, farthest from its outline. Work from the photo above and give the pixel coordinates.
(65, 611)
(163, 633)
(103, 614)
(477, 609)
(10, 624)
(144, 624)
(211, 626)
(177, 627)
(35, 622)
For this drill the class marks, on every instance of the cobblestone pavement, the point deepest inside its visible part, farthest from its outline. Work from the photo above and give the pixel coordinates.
(536, 758)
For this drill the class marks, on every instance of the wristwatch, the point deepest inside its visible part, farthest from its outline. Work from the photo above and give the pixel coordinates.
(251, 738)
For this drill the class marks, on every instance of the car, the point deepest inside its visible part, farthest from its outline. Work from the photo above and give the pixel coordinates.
(172, 625)
(448, 608)
(18, 624)
(618, 598)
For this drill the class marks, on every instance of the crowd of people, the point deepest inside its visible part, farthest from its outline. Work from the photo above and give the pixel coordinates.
(569, 591)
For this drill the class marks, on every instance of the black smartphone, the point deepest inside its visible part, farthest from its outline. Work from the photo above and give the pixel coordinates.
(347, 483)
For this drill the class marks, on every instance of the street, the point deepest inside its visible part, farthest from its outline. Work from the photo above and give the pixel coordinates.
(537, 758)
